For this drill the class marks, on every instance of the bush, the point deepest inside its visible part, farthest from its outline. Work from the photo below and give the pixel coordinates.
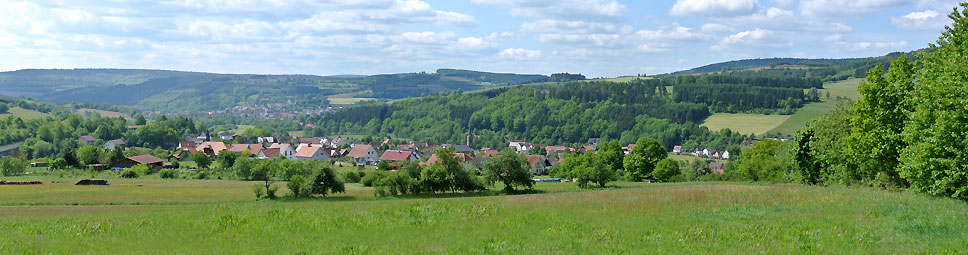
(129, 174)
(201, 175)
(372, 177)
(351, 176)
(296, 185)
(167, 174)
(175, 164)
(271, 192)
(258, 190)
(142, 169)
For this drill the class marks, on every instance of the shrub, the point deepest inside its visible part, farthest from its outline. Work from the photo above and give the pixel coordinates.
(258, 190)
(271, 192)
(372, 177)
(296, 185)
(129, 174)
(351, 176)
(201, 175)
(168, 174)
(175, 164)
(142, 169)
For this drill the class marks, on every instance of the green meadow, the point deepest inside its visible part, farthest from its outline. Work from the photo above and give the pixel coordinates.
(744, 123)
(152, 216)
(845, 89)
(25, 114)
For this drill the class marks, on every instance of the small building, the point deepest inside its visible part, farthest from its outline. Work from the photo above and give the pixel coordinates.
(212, 149)
(677, 149)
(364, 154)
(285, 150)
(725, 155)
(461, 157)
(398, 156)
(539, 164)
(253, 149)
(146, 159)
(716, 167)
(86, 140)
(266, 139)
(312, 152)
(38, 164)
(116, 143)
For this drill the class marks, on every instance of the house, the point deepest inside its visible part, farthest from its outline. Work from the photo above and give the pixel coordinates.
(461, 157)
(725, 155)
(183, 155)
(38, 164)
(86, 139)
(212, 149)
(628, 148)
(708, 152)
(677, 149)
(268, 153)
(363, 154)
(146, 159)
(310, 140)
(716, 167)
(197, 138)
(285, 149)
(555, 149)
(539, 164)
(186, 144)
(116, 143)
(398, 156)
(716, 155)
(266, 139)
(698, 151)
(460, 148)
(253, 149)
(587, 148)
(226, 135)
(488, 152)
(134, 127)
(312, 152)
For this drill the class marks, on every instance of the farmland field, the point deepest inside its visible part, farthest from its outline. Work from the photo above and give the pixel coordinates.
(345, 100)
(846, 88)
(214, 216)
(744, 123)
(104, 113)
(23, 113)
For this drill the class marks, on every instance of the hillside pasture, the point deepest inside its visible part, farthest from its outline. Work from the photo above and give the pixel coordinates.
(25, 114)
(744, 123)
(730, 218)
(103, 113)
(844, 89)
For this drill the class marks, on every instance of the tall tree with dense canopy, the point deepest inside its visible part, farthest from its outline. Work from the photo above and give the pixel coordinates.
(875, 142)
(612, 154)
(509, 168)
(937, 134)
(665, 169)
(201, 160)
(642, 159)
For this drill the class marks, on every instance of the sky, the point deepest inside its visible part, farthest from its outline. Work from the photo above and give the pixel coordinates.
(598, 38)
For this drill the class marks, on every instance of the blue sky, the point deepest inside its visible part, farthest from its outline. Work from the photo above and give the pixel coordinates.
(593, 37)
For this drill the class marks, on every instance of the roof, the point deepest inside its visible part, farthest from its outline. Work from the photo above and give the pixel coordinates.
(281, 146)
(117, 142)
(88, 138)
(533, 160)
(271, 152)
(555, 148)
(253, 148)
(145, 159)
(395, 155)
(215, 146)
(359, 151)
(311, 140)
(308, 151)
(460, 156)
(462, 148)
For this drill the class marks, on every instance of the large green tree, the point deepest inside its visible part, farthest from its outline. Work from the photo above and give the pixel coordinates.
(509, 168)
(612, 154)
(879, 116)
(937, 134)
(642, 159)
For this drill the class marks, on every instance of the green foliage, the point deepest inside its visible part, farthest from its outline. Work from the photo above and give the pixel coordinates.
(226, 159)
(58, 164)
(325, 181)
(769, 160)
(384, 166)
(168, 174)
(641, 160)
(88, 155)
(201, 160)
(297, 186)
(4, 108)
(937, 133)
(351, 176)
(612, 155)
(509, 168)
(447, 174)
(129, 174)
(588, 168)
(396, 183)
(665, 169)
(12, 166)
(258, 190)
(370, 178)
(142, 169)
(243, 168)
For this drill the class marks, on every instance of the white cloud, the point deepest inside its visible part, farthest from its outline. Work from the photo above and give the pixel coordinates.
(838, 9)
(861, 46)
(783, 3)
(747, 36)
(519, 53)
(562, 9)
(715, 28)
(785, 20)
(676, 33)
(719, 8)
(924, 20)
(751, 40)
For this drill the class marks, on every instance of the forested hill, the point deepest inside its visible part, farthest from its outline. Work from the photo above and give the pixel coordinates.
(175, 91)
(820, 67)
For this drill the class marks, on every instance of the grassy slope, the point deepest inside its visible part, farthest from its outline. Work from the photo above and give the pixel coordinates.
(847, 88)
(659, 218)
(23, 113)
(104, 113)
(744, 123)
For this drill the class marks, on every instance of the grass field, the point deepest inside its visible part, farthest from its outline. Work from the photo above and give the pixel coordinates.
(691, 218)
(24, 114)
(847, 88)
(345, 101)
(744, 123)
(621, 79)
(104, 113)
(241, 128)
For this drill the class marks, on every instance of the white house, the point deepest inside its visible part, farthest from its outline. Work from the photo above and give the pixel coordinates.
(110, 145)
(364, 154)
(311, 152)
(725, 155)
(285, 150)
